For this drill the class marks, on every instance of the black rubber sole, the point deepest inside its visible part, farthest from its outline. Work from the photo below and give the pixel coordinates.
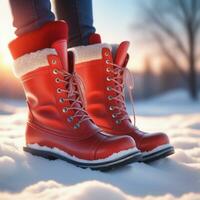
(104, 166)
(158, 155)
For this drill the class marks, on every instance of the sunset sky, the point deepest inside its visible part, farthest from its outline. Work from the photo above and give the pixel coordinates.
(114, 25)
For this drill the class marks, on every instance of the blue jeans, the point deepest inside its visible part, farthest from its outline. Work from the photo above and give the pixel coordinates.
(30, 15)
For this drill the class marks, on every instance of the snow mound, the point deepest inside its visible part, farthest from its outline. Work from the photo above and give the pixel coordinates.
(175, 96)
(89, 190)
(170, 103)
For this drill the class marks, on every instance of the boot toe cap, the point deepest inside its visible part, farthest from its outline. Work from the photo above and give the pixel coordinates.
(152, 141)
(114, 145)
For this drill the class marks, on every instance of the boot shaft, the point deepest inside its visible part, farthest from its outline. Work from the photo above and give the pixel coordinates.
(51, 86)
(103, 76)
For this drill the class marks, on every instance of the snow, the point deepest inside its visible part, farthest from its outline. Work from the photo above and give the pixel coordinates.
(112, 157)
(23, 176)
(162, 147)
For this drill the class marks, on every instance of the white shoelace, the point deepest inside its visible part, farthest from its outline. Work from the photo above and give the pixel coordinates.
(74, 90)
(118, 79)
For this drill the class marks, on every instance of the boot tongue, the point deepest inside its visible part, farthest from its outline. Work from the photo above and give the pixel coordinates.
(94, 38)
(61, 48)
(67, 61)
(120, 53)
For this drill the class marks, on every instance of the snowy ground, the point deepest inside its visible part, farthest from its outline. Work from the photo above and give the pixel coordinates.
(23, 176)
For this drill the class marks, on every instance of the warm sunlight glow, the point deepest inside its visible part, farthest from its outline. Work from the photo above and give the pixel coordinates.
(6, 35)
(6, 59)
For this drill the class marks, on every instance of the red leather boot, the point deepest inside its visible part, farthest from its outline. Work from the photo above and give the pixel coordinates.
(102, 68)
(58, 125)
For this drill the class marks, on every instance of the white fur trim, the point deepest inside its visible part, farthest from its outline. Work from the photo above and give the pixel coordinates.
(32, 61)
(65, 154)
(88, 53)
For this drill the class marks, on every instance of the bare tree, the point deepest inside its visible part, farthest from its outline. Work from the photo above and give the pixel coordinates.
(175, 25)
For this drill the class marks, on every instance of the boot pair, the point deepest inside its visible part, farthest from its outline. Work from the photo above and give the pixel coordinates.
(88, 127)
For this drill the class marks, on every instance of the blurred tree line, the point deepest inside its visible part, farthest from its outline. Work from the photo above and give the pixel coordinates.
(174, 26)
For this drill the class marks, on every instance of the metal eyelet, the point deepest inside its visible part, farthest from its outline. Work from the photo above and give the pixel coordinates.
(59, 90)
(108, 78)
(61, 100)
(108, 69)
(118, 121)
(109, 88)
(70, 119)
(64, 110)
(57, 80)
(53, 62)
(111, 108)
(110, 97)
(113, 116)
(55, 71)
(76, 126)
(106, 53)
(107, 62)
